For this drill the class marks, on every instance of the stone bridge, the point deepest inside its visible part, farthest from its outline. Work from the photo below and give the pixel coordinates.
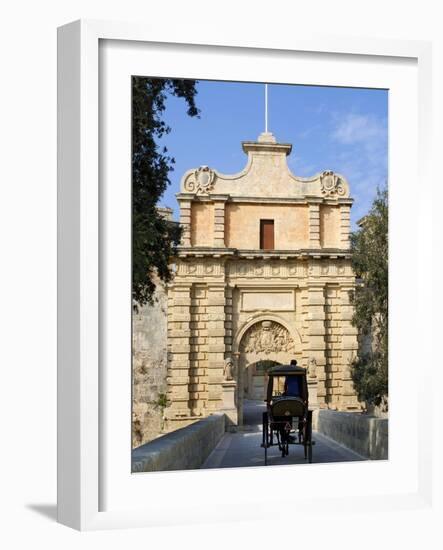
(263, 275)
(242, 448)
(206, 444)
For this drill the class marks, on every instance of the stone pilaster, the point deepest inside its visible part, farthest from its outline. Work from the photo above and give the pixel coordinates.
(313, 391)
(240, 366)
(349, 347)
(229, 407)
(198, 384)
(333, 346)
(219, 222)
(179, 335)
(185, 221)
(315, 330)
(345, 226)
(314, 225)
(230, 386)
(228, 320)
(216, 345)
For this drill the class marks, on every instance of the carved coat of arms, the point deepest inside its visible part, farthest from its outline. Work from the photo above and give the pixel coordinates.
(201, 181)
(331, 184)
(267, 337)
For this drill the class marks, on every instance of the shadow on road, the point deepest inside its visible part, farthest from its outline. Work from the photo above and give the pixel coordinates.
(243, 448)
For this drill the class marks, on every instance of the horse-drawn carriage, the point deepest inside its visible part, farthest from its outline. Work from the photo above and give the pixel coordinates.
(287, 419)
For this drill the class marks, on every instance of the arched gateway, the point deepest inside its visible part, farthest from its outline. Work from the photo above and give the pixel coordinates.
(263, 274)
(260, 345)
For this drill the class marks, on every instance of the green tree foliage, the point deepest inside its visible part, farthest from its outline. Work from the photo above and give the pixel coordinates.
(370, 262)
(154, 239)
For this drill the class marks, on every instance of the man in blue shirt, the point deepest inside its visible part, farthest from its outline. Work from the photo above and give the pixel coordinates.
(292, 386)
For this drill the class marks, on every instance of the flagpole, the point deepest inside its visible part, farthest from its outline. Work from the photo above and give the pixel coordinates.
(266, 108)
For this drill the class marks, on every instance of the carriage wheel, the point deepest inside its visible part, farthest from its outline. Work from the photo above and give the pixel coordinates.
(305, 438)
(265, 436)
(281, 441)
(265, 428)
(309, 435)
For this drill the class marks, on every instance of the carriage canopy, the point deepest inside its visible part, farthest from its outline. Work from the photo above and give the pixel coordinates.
(287, 380)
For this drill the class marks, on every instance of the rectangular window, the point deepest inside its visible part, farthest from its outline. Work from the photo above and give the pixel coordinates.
(267, 234)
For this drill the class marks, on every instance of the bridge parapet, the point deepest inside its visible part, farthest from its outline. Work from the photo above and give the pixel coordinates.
(362, 433)
(184, 449)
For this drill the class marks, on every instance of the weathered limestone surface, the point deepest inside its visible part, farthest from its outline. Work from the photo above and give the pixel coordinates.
(364, 434)
(233, 302)
(233, 308)
(184, 449)
(291, 225)
(266, 175)
(149, 369)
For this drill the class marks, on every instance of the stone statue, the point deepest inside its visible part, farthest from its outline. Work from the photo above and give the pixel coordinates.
(312, 368)
(228, 372)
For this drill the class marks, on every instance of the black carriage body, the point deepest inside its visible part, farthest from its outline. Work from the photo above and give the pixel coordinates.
(287, 400)
(293, 400)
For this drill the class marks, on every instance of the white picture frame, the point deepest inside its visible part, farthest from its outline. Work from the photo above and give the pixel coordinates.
(83, 401)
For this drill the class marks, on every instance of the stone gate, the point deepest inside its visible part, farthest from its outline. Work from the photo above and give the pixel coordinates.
(263, 275)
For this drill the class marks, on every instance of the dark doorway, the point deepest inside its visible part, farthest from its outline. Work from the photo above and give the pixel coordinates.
(256, 378)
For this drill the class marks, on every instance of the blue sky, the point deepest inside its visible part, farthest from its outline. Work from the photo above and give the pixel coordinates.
(340, 129)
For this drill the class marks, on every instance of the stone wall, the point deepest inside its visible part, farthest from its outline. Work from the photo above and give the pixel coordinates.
(341, 348)
(149, 369)
(242, 224)
(185, 449)
(363, 433)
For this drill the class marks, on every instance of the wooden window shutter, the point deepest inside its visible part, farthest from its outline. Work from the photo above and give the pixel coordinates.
(267, 234)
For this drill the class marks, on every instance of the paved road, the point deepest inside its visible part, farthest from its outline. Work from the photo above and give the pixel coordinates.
(243, 448)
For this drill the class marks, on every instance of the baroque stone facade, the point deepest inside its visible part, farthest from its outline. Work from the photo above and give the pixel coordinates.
(239, 301)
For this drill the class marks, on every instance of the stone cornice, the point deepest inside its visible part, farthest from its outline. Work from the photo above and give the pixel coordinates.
(264, 200)
(317, 254)
(266, 147)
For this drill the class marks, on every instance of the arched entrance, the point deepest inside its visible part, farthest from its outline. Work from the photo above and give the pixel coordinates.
(255, 379)
(261, 344)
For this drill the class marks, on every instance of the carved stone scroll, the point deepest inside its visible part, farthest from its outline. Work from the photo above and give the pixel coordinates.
(201, 181)
(331, 185)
